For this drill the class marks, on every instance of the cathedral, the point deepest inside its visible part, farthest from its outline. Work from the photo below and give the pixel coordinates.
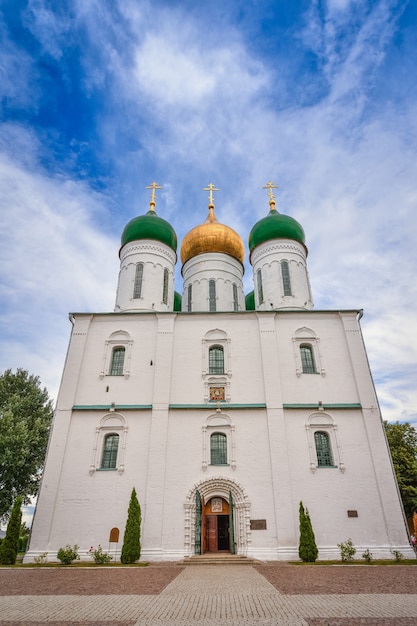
(223, 410)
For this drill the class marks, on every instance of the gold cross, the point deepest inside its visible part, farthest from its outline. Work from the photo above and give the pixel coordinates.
(271, 186)
(153, 186)
(211, 188)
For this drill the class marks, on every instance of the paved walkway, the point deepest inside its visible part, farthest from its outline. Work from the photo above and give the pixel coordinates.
(207, 596)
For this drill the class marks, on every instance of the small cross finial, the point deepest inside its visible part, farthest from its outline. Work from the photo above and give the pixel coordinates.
(271, 186)
(153, 186)
(211, 188)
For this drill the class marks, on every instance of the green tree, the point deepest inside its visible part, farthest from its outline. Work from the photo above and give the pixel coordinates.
(307, 549)
(25, 419)
(402, 439)
(9, 545)
(131, 540)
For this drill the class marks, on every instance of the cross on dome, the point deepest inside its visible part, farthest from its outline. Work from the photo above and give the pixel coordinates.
(270, 185)
(211, 188)
(153, 186)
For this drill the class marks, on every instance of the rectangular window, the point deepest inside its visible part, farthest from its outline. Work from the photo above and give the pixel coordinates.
(286, 282)
(137, 287)
(165, 289)
(235, 300)
(117, 362)
(323, 450)
(216, 360)
(109, 458)
(260, 287)
(190, 295)
(212, 296)
(218, 449)
(307, 359)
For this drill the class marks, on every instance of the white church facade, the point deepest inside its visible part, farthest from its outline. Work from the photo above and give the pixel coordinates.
(223, 412)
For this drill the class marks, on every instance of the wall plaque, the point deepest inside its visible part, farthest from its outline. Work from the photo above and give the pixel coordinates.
(258, 524)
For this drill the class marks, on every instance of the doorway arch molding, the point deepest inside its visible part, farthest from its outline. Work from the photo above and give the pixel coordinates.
(219, 487)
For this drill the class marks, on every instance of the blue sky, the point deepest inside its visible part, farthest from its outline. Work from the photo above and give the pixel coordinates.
(100, 98)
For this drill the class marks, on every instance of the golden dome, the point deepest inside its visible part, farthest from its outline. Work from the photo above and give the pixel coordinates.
(211, 236)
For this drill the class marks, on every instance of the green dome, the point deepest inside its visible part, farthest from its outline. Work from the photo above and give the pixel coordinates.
(150, 226)
(275, 226)
(250, 301)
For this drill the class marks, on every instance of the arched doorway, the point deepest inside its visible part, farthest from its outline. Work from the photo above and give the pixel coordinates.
(217, 518)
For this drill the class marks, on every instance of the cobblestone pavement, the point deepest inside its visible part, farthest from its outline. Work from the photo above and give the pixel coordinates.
(211, 595)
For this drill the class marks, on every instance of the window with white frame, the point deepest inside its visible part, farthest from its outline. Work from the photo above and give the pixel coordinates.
(110, 443)
(323, 442)
(260, 286)
(235, 298)
(218, 441)
(307, 354)
(212, 295)
(216, 365)
(117, 355)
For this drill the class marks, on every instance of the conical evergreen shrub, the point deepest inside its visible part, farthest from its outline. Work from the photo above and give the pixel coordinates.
(131, 540)
(9, 545)
(307, 549)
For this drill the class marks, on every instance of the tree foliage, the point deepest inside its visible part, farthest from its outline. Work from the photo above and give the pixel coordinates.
(307, 549)
(402, 439)
(25, 419)
(131, 540)
(10, 544)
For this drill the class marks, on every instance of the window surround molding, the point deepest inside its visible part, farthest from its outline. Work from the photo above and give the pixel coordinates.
(221, 423)
(319, 421)
(307, 336)
(111, 423)
(118, 339)
(216, 337)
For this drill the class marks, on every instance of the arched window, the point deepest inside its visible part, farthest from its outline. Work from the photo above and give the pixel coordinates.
(235, 299)
(216, 360)
(137, 286)
(307, 359)
(286, 281)
(218, 449)
(110, 448)
(190, 296)
(212, 295)
(260, 287)
(323, 449)
(165, 289)
(117, 361)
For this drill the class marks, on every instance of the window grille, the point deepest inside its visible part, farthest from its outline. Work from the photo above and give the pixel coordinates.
(218, 449)
(235, 300)
(216, 360)
(260, 287)
(323, 450)
(212, 295)
(165, 289)
(307, 359)
(117, 362)
(190, 294)
(110, 448)
(286, 281)
(137, 287)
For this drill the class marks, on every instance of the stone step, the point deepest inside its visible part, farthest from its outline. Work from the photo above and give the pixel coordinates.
(218, 559)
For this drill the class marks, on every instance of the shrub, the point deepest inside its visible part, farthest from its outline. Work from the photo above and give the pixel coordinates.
(100, 557)
(131, 539)
(68, 554)
(398, 556)
(368, 556)
(9, 545)
(307, 550)
(41, 558)
(347, 550)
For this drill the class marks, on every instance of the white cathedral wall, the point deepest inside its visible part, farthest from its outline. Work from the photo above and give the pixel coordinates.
(164, 447)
